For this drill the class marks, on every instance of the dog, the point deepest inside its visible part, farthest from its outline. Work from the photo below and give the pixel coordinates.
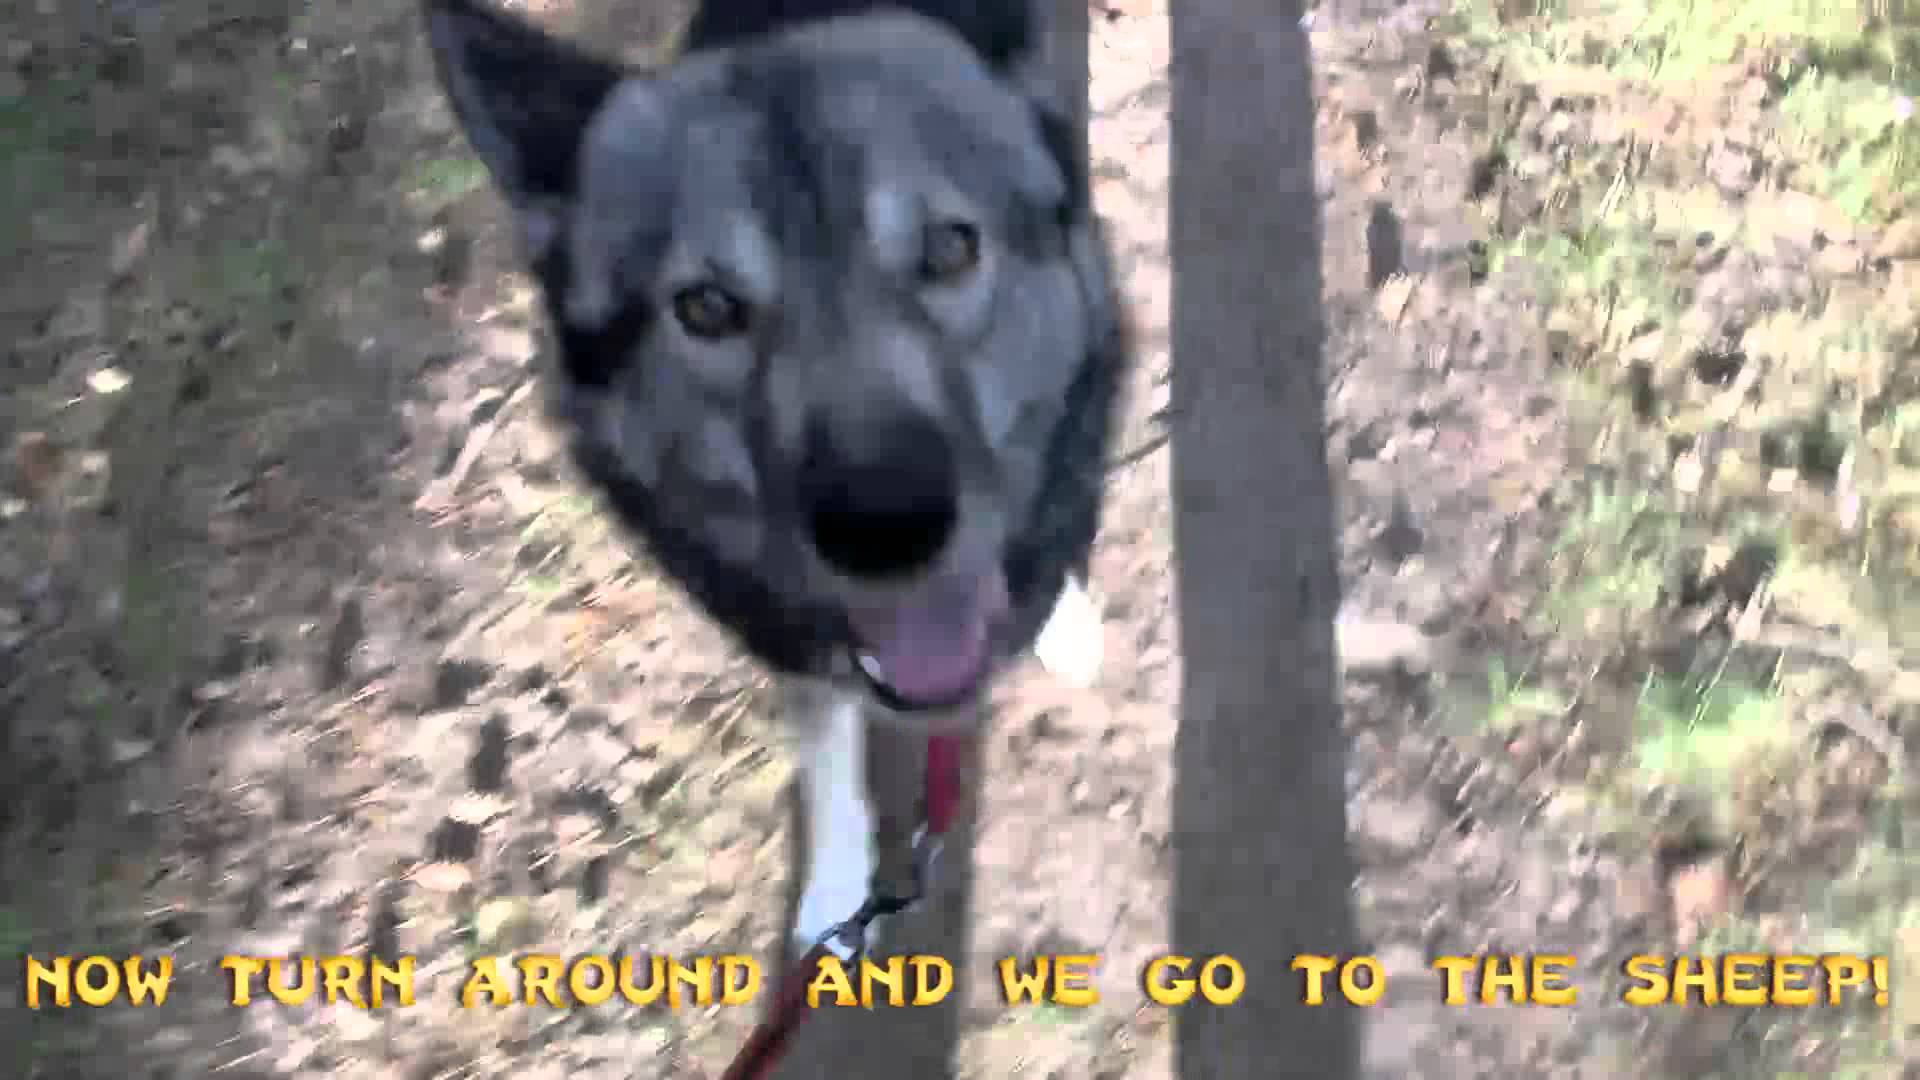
(837, 341)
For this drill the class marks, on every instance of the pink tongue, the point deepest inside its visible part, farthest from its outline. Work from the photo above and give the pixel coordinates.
(933, 644)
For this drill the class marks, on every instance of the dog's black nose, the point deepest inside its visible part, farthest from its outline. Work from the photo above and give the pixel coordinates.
(881, 498)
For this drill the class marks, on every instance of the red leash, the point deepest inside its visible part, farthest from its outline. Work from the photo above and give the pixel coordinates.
(769, 1040)
(942, 783)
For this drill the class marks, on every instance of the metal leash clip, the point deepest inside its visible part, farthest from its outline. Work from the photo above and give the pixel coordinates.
(851, 935)
(927, 848)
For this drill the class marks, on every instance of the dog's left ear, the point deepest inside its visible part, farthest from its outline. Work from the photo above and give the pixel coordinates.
(1066, 143)
(1026, 61)
(523, 96)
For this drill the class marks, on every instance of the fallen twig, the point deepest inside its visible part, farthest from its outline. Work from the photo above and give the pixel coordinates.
(438, 498)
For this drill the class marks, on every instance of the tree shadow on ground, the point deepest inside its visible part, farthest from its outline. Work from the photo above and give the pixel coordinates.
(212, 347)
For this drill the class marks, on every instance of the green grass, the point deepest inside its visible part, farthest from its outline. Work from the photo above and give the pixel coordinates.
(1849, 74)
(1702, 735)
(1596, 262)
(29, 162)
(1679, 41)
(238, 277)
(559, 517)
(1612, 245)
(1514, 699)
(1048, 1014)
(38, 132)
(540, 587)
(14, 933)
(1615, 552)
(449, 179)
(1859, 137)
(564, 525)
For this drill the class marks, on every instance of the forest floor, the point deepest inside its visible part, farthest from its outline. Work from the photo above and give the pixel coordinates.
(309, 642)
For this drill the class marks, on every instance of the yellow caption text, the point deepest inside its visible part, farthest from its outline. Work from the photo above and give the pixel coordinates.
(1735, 979)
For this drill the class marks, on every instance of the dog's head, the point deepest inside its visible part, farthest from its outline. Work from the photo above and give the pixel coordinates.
(823, 299)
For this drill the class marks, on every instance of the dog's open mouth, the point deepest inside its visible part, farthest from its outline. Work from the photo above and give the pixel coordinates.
(932, 647)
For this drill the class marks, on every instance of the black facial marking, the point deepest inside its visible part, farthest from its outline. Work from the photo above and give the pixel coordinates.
(800, 165)
(1057, 537)
(590, 356)
(1068, 149)
(1038, 231)
(769, 623)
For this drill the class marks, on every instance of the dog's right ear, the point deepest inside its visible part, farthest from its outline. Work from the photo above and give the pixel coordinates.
(524, 98)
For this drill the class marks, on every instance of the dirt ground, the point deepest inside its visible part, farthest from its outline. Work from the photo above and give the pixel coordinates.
(310, 643)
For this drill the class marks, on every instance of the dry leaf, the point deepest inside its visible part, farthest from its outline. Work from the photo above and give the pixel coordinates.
(36, 461)
(130, 249)
(1394, 296)
(1900, 240)
(109, 380)
(572, 827)
(1688, 474)
(1700, 894)
(499, 919)
(442, 877)
(125, 751)
(354, 1024)
(477, 808)
(1906, 688)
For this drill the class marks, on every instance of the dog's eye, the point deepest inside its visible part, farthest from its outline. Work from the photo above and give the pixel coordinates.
(952, 251)
(709, 311)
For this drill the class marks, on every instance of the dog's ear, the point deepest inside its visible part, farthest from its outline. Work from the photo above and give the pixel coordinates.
(1024, 55)
(1066, 143)
(524, 97)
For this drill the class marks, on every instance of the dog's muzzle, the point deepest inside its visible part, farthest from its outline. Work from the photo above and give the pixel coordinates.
(882, 503)
(933, 647)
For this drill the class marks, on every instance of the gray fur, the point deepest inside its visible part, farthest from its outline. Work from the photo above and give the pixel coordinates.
(800, 165)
